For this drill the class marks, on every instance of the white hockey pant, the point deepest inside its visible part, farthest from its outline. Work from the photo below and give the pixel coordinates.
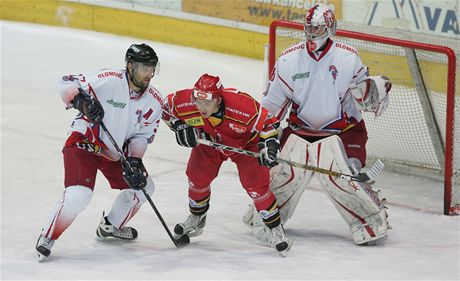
(358, 204)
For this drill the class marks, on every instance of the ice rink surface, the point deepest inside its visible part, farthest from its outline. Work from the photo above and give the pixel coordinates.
(423, 244)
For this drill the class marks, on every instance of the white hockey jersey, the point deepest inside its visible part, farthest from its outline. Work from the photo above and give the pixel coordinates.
(129, 117)
(315, 86)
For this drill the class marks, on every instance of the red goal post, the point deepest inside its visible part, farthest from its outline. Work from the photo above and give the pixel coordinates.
(424, 88)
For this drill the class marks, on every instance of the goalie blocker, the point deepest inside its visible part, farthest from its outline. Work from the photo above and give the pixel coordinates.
(358, 204)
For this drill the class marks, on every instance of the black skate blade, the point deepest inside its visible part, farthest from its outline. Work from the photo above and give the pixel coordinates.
(283, 252)
(182, 241)
(41, 257)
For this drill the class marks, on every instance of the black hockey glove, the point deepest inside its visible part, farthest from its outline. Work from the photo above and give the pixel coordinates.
(88, 106)
(136, 175)
(185, 134)
(268, 149)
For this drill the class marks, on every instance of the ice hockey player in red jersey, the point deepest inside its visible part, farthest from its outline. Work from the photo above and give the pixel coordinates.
(131, 110)
(322, 86)
(233, 118)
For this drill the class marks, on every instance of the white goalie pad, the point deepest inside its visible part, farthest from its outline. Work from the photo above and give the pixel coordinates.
(286, 183)
(358, 204)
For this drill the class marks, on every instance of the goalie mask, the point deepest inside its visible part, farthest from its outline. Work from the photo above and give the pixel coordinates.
(320, 24)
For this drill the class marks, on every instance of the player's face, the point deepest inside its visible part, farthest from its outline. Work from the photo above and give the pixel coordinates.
(208, 107)
(142, 74)
(314, 31)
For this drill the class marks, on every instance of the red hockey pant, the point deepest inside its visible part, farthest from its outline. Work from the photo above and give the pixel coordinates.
(81, 168)
(203, 167)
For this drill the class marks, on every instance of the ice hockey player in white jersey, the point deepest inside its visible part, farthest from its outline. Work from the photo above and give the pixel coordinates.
(322, 85)
(131, 110)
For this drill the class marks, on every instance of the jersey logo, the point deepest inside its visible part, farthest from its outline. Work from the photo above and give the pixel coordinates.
(237, 128)
(195, 121)
(345, 47)
(116, 104)
(334, 72)
(301, 76)
(110, 73)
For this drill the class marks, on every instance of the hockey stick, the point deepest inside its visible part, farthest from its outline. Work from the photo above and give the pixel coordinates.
(369, 176)
(180, 242)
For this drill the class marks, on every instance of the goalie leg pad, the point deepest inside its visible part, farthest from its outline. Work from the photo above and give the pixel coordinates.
(286, 183)
(370, 229)
(358, 204)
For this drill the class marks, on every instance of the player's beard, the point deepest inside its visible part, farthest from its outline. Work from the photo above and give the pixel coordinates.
(142, 85)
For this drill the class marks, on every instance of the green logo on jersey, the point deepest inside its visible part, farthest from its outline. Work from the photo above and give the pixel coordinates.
(116, 103)
(195, 121)
(301, 76)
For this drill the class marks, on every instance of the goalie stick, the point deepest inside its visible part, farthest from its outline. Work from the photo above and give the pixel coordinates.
(179, 242)
(367, 177)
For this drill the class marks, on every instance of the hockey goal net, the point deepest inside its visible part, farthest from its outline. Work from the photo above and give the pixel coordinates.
(416, 134)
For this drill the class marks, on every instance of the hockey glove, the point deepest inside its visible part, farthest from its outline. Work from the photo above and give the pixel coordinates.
(372, 94)
(88, 106)
(135, 175)
(185, 134)
(268, 149)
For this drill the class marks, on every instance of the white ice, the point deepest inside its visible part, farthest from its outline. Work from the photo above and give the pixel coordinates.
(423, 244)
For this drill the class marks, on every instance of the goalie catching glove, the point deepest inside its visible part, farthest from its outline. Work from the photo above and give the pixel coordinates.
(372, 94)
(90, 107)
(185, 134)
(135, 174)
(269, 149)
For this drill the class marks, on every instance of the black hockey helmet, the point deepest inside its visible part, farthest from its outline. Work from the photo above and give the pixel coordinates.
(141, 53)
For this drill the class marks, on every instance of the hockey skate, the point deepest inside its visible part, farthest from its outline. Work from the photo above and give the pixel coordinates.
(280, 241)
(106, 230)
(193, 226)
(43, 247)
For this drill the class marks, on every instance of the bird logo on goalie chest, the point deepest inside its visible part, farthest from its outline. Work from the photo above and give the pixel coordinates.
(237, 128)
(334, 72)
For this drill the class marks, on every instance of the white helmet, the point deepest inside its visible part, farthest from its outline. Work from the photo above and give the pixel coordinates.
(320, 24)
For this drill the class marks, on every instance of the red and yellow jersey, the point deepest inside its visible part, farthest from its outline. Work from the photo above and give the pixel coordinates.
(244, 120)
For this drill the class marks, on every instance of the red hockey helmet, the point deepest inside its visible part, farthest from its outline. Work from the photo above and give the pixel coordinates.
(208, 87)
